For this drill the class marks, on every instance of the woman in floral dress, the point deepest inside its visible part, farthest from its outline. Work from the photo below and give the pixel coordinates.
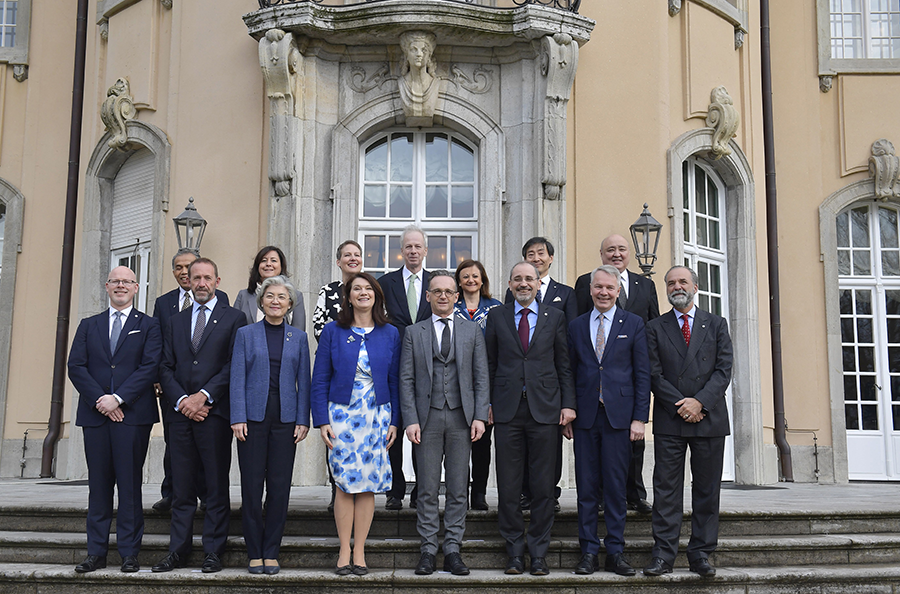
(356, 408)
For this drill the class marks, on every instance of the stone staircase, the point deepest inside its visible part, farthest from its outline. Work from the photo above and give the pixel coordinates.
(784, 551)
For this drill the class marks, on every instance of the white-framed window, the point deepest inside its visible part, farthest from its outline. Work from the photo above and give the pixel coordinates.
(8, 9)
(15, 20)
(865, 29)
(422, 178)
(704, 234)
(137, 258)
(132, 215)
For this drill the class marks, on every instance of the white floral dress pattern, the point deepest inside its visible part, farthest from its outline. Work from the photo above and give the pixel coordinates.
(359, 459)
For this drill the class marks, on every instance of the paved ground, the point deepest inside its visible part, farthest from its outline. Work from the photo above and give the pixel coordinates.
(784, 497)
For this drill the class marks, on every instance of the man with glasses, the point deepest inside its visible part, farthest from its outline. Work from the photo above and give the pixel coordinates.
(112, 364)
(444, 402)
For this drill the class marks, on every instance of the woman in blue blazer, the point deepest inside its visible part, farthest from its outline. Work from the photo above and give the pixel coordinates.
(474, 303)
(355, 404)
(269, 416)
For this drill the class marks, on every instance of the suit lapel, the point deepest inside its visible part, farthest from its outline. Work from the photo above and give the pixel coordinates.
(211, 322)
(614, 332)
(698, 335)
(427, 348)
(541, 323)
(551, 293)
(511, 324)
(424, 306)
(673, 331)
(400, 295)
(632, 291)
(102, 324)
(127, 327)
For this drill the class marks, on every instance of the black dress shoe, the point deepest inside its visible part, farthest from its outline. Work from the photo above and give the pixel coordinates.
(600, 508)
(163, 505)
(479, 502)
(91, 563)
(393, 503)
(657, 567)
(202, 506)
(515, 566)
(618, 564)
(130, 564)
(641, 506)
(413, 504)
(271, 569)
(588, 564)
(211, 564)
(556, 506)
(426, 564)
(703, 567)
(524, 502)
(359, 569)
(255, 569)
(454, 564)
(539, 566)
(168, 563)
(344, 570)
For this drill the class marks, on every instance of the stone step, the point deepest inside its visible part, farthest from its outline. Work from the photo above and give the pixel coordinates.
(320, 523)
(488, 553)
(29, 578)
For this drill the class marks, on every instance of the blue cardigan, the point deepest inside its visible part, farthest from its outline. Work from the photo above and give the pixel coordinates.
(335, 368)
(249, 390)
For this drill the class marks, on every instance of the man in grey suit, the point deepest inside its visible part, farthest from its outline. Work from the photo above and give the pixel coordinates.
(444, 402)
(690, 369)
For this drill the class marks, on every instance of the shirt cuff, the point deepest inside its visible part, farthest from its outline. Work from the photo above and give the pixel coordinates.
(117, 397)
(178, 404)
(209, 398)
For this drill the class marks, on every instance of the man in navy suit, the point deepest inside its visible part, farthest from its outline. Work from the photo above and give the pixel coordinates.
(195, 377)
(404, 299)
(114, 359)
(637, 294)
(608, 353)
(166, 306)
(539, 251)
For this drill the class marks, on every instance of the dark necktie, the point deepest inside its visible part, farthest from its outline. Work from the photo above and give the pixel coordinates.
(523, 329)
(686, 330)
(116, 331)
(198, 328)
(445, 338)
(187, 301)
(623, 297)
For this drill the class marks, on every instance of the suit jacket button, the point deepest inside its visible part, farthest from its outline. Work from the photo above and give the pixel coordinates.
(601, 368)
(112, 366)
(195, 362)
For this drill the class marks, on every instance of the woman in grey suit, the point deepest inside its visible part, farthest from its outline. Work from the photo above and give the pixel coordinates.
(269, 262)
(269, 394)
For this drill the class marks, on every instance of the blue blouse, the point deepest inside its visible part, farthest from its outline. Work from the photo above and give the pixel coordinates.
(480, 315)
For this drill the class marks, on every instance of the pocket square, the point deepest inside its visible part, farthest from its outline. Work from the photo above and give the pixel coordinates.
(133, 332)
(622, 336)
(557, 299)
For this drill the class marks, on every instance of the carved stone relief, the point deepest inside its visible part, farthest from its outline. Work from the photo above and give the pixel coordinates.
(166, 3)
(419, 83)
(559, 60)
(117, 109)
(884, 167)
(480, 82)
(674, 7)
(825, 82)
(724, 119)
(104, 30)
(363, 83)
(738, 38)
(20, 72)
(280, 60)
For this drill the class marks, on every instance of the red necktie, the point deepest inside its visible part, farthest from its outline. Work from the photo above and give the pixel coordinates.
(523, 329)
(686, 330)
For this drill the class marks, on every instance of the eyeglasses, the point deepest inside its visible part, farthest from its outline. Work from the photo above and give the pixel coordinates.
(445, 292)
(120, 281)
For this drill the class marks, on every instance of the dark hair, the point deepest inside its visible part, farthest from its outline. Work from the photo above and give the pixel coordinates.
(342, 246)
(536, 241)
(255, 277)
(183, 251)
(485, 284)
(345, 316)
(204, 261)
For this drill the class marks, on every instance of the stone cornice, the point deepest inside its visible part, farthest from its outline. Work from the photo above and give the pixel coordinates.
(453, 23)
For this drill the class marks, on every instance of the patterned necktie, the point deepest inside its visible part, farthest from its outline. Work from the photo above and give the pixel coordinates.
(116, 331)
(623, 297)
(600, 346)
(412, 298)
(187, 301)
(523, 329)
(686, 330)
(445, 338)
(539, 298)
(198, 328)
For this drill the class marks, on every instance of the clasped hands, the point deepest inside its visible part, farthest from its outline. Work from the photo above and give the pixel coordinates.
(195, 407)
(109, 406)
(690, 410)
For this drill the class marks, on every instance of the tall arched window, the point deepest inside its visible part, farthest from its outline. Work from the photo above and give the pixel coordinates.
(421, 178)
(868, 261)
(132, 216)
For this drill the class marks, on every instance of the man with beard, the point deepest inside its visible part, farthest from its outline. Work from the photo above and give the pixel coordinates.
(690, 368)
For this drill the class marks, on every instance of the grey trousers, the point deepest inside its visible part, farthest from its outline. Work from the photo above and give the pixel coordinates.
(445, 438)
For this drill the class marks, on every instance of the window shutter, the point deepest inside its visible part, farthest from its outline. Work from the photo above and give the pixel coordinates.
(133, 201)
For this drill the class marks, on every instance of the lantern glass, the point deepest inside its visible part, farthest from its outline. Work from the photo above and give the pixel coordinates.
(193, 226)
(645, 235)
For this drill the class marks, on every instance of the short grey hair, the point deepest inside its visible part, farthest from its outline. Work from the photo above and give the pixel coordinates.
(694, 278)
(412, 229)
(280, 281)
(536, 273)
(441, 272)
(610, 270)
(183, 251)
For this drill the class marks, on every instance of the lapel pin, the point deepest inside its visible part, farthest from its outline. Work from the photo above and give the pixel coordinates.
(350, 339)
(215, 321)
(289, 334)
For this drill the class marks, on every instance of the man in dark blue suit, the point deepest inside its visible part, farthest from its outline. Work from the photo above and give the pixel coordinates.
(166, 306)
(195, 377)
(404, 299)
(608, 354)
(113, 362)
(539, 251)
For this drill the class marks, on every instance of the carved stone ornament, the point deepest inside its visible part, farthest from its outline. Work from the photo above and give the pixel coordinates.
(419, 83)
(559, 60)
(479, 83)
(104, 30)
(738, 38)
(281, 61)
(117, 109)
(166, 3)
(363, 83)
(724, 119)
(20, 72)
(674, 7)
(884, 167)
(825, 82)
